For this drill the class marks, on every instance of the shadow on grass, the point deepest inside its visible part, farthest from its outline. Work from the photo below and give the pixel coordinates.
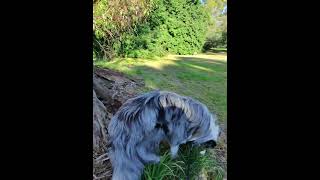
(216, 51)
(201, 78)
(200, 61)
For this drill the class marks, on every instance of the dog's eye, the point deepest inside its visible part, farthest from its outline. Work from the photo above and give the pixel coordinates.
(158, 125)
(190, 131)
(164, 127)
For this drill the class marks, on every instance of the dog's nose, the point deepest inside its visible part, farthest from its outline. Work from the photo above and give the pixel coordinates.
(190, 143)
(211, 144)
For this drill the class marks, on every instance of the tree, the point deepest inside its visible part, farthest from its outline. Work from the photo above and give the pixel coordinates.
(113, 18)
(217, 33)
(164, 26)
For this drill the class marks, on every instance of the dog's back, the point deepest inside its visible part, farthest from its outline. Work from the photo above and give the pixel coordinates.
(142, 122)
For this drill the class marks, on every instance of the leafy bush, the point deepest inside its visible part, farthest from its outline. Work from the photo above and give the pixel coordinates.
(113, 19)
(217, 32)
(224, 39)
(174, 26)
(164, 26)
(217, 40)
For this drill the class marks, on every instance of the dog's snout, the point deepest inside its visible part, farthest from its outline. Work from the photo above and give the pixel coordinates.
(211, 144)
(191, 143)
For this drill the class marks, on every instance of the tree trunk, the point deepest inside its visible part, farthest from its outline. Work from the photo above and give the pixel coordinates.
(99, 123)
(101, 117)
(110, 90)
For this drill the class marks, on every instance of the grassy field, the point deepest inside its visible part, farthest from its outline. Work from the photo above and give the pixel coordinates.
(203, 77)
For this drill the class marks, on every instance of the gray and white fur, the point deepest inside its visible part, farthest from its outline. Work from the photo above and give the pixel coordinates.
(141, 123)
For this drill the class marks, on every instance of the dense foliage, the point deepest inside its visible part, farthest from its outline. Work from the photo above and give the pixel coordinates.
(217, 32)
(149, 27)
(113, 19)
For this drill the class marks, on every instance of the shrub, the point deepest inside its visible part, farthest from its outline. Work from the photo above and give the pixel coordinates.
(164, 26)
(174, 26)
(113, 19)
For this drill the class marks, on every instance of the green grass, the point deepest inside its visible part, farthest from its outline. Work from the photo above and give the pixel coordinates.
(166, 169)
(216, 50)
(203, 77)
(190, 163)
(220, 49)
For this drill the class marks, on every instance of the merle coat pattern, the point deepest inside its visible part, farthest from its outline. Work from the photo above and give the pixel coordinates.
(141, 123)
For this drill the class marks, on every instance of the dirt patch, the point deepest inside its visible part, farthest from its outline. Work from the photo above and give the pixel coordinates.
(221, 149)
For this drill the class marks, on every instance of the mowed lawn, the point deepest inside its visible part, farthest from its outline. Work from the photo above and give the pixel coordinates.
(203, 77)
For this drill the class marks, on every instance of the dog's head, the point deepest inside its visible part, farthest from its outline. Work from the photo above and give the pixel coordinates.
(204, 134)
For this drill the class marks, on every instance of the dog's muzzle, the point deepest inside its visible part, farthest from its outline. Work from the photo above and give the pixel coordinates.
(208, 144)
